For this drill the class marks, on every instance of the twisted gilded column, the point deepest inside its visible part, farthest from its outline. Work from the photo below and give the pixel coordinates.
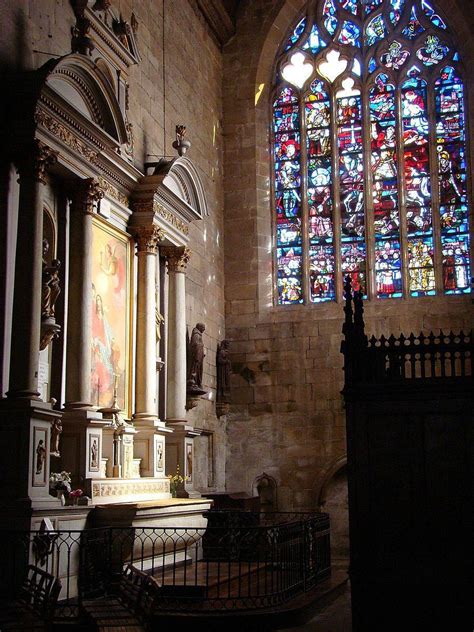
(78, 384)
(26, 325)
(177, 260)
(147, 239)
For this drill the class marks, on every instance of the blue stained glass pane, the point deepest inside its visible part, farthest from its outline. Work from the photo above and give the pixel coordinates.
(289, 233)
(434, 17)
(382, 106)
(456, 57)
(287, 146)
(329, 13)
(318, 91)
(388, 269)
(353, 259)
(314, 42)
(285, 118)
(413, 28)
(432, 52)
(454, 219)
(318, 114)
(349, 5)
(421, 267)
(322, 273)
(289, 262)
(286, 96)
(396, 10)
(296, 33)
(456, 265)
(415, 130)
(350, 34)
(288, 204)
(375, 30)
(396, 56)
(320, 214)
(319, 170)
(419, 220)
(287, 175)
(371, 5)
(351, 169)
(372, 65)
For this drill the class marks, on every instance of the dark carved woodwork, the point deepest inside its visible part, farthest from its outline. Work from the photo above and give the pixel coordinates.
(409, 416)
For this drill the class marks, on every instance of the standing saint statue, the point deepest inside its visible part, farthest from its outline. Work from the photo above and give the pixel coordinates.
(196, 356)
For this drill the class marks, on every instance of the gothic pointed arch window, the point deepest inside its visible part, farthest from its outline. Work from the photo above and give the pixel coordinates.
(369, 154)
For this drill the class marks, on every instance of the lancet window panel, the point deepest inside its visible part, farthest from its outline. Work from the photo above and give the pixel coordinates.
(370, 175)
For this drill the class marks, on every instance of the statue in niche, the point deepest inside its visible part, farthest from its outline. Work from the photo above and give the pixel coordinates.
(56, 430)
(196, 357)
(40, 456)
(50, 289)
(224, 367)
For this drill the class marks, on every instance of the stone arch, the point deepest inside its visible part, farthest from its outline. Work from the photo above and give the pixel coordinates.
(333, 499)
(79, 82)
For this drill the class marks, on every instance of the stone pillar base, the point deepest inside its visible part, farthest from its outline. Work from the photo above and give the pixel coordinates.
(180, 451)
(150, 447)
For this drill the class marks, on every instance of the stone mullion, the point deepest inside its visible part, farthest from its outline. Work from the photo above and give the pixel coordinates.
(400, 148)
(435, 197)
(304, 203)
(26, 325)
(338, 284)
(368, 196)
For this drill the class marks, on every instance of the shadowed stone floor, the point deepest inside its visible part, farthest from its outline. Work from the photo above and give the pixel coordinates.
(336, 617)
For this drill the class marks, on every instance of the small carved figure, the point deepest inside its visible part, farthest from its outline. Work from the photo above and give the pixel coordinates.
(50, 289)
(159, 319)
(223, 371)
(56, 429)
(40, 456)
(94, 454)
(81, 42)
(196, 356)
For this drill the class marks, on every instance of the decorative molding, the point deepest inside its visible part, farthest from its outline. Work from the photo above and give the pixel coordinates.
(177, 257)
(102, 489)
(65, 135)
(153, 206)
(147, 238)
(112, 191)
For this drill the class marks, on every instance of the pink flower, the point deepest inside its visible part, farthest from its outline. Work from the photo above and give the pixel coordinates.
(76, 493)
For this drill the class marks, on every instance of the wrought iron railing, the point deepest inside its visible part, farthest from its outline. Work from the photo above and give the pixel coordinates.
(242, 560)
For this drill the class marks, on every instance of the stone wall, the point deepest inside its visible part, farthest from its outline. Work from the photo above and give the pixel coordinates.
(189, 92)
(287, 417)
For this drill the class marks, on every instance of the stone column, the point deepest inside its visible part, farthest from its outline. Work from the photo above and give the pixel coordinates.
(146, 405)
(80, 280)
(26, 325)
(177, 259)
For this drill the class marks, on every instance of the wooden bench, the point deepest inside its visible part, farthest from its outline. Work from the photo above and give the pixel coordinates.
(131, 610)
(34, 607)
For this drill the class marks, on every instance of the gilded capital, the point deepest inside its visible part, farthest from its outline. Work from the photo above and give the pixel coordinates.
(147, 238)
(177, 258)
(35, 161)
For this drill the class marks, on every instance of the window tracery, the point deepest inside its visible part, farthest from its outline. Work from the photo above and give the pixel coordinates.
(369, 154)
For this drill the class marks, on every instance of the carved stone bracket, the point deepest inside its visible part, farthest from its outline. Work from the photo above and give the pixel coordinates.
(147, 238)
(34, 161)
(177, 258)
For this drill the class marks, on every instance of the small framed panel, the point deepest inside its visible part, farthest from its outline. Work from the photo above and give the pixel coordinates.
(38, 458)
(94, 452)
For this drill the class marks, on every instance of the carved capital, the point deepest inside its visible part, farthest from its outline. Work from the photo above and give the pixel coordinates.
(147, 238)
(35, 161)
(91, 194)
(177, 257)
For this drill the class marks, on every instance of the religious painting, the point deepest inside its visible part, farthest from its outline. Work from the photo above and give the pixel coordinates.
(94, 452)
(39, 456)
(189, 462)
(110, 306)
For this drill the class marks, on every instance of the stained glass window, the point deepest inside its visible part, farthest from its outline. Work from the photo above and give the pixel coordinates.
(369, 154)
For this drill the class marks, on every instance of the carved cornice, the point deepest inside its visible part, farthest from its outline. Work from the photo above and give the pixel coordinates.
(35, 160)
(147, 238)
(158, 209)
(177, 257)
(112, 191)
(65, 135)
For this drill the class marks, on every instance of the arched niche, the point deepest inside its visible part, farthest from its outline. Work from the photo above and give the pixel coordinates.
(265, 487)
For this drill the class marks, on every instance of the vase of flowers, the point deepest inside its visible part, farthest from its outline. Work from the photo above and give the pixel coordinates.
(176, 481)
(60, 484)
(75, 495)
